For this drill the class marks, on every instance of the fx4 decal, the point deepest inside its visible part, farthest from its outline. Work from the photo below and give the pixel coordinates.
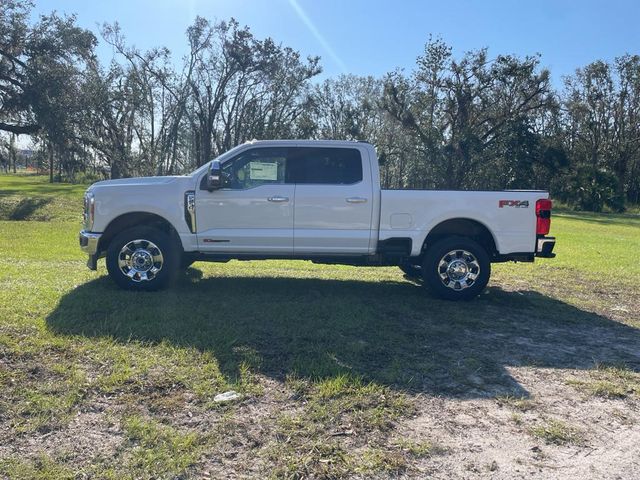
(513, 203)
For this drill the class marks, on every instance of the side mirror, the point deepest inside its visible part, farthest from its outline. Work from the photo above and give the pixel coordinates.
(214, 177)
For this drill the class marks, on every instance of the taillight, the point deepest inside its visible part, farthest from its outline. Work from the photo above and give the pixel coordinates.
(543, 216)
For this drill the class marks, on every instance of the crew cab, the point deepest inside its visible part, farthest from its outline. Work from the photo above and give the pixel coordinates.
(308, 200)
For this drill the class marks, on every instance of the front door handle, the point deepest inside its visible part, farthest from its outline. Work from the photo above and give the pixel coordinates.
(278, 199)
(356, 200)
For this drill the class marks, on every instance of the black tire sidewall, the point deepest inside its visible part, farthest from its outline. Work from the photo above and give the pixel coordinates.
(170, 253)
(441, 248)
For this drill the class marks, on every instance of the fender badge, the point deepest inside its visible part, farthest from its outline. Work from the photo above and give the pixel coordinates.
(513, 203)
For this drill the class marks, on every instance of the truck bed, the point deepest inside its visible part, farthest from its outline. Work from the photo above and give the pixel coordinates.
(509, 215)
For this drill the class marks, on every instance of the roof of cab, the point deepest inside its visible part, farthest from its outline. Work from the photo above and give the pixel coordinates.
(327, 143)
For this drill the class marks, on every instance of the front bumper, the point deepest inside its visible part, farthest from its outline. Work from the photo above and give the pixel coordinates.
(89, 244)
(544, 247)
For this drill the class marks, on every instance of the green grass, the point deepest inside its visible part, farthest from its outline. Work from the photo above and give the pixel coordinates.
(609, 381)
(522, 404)
(32, 197)
(557, 432)
(329, 359)
(593, 266)
(38, 185)
(40, 467)
(309, 442)
(155, 450)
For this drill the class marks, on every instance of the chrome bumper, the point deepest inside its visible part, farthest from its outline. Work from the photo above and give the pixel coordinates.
(89, 244)
(544, 247)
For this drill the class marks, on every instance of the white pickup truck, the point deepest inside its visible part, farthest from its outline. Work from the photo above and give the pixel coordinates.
(310, 200)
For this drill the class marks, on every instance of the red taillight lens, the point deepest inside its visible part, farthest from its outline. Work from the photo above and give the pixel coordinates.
(543, 216)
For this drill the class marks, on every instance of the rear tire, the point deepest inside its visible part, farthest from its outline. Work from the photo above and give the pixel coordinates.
(143, 258)
(456, 268)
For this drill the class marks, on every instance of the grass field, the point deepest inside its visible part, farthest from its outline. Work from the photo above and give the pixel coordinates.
(342, 372)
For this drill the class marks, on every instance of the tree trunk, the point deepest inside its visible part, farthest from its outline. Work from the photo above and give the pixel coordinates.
(60, 171)
(13, 152)
(116, 170)
(50, 163)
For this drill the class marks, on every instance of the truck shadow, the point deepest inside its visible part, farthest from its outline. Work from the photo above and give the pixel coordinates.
(387, 332)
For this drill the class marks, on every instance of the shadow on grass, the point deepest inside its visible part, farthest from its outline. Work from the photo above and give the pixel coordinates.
(617, 219)
(25, 208)
(391, 333)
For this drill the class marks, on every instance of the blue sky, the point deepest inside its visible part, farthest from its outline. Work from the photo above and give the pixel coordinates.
(374, 37)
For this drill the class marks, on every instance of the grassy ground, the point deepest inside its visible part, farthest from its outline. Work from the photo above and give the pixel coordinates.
(342, 372)
(32, 197)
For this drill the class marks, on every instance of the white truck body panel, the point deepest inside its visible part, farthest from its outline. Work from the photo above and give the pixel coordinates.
(333, 218)
(313, 219)
(245, 221)
(414, 213)
(157, 195)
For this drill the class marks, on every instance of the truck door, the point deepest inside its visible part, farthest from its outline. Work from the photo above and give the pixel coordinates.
(253, 212)
(333, 200)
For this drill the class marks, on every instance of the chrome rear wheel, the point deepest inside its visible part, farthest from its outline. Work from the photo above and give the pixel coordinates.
(458, 269)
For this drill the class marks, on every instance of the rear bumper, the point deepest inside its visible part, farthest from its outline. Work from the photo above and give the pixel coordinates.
(544, 247)
(89, 245)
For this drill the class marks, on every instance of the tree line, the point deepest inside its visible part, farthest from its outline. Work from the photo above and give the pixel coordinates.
(470, 122)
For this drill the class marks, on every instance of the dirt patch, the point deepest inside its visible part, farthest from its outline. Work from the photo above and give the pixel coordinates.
(491, 438)
(91, 435)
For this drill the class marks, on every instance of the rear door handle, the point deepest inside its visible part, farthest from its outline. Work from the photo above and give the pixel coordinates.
(278, 199)
(356, 200)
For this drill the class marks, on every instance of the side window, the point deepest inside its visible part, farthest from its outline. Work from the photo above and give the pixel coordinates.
(329, 166)
(255, 167)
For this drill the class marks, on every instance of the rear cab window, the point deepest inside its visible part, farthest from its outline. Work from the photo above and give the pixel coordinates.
(324, 166)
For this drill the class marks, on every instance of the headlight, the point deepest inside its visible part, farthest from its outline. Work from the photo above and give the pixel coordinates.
(89, 211)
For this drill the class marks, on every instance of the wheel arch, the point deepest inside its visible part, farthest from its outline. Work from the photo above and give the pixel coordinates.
(132, 219)
(463, 227)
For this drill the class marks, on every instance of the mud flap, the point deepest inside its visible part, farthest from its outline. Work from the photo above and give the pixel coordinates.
(92, 262)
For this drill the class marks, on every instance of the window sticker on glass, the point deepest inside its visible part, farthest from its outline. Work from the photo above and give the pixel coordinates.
(263, 171)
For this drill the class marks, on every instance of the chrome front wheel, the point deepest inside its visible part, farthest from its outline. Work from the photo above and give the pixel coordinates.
(141, 260)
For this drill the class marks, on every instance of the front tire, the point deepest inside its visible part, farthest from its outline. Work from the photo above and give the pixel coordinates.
(456, 268)
(142, 258)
